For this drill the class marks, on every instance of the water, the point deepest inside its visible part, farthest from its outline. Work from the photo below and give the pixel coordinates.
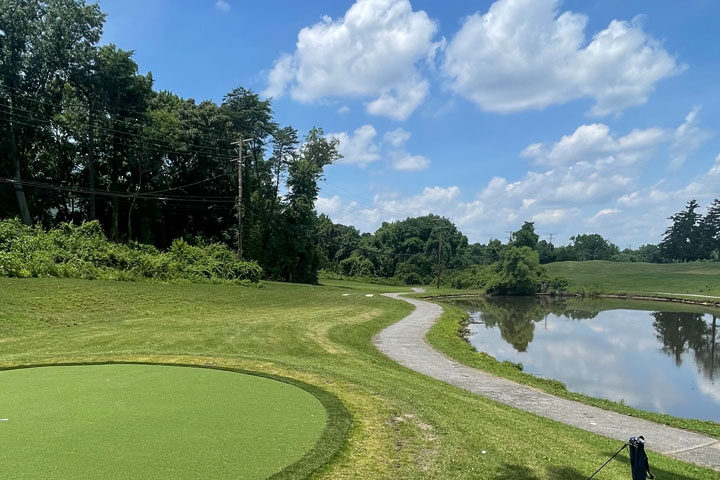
(652, 356)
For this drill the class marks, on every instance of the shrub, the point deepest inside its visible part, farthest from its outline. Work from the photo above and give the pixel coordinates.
(518, 273)
(83, 251)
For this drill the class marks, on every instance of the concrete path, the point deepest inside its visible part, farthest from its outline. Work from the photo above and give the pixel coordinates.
(405, 343)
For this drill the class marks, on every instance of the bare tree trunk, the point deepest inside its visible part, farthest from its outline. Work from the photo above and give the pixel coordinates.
(19, 191)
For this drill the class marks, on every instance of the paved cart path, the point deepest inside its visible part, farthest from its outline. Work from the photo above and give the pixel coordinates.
(405, 343)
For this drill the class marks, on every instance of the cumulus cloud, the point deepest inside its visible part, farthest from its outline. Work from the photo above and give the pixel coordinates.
(358, 148)
(222, 5)
(525, 54)
(687, 139)
(374, 52)
(397, 138)
(595, 143)
(406, 162)
(592, 182)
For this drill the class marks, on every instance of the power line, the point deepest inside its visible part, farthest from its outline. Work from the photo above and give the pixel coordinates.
(63, 105)
(51, 122)
(117, 194)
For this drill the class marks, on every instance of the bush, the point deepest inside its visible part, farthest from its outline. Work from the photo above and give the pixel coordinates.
(476, 277)
(84, 252)
(518, 273)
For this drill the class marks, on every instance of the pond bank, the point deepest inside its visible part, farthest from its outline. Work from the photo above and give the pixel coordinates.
(405, 343)
(660, 297)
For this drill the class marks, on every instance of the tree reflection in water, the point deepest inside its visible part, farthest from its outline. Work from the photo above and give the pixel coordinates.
(516, 317)
(679, 332)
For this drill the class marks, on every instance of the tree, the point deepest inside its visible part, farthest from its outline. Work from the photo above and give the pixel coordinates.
(546, 250)
(525, 237)
(709, 232)
(593, 247)
(519, 273)
(302, 258)
(682, 238)
(43, 42)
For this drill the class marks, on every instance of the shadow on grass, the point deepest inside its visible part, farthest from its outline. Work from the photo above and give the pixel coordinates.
(520, 472)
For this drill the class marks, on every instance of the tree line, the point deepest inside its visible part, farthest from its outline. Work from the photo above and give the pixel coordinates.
(84, 136)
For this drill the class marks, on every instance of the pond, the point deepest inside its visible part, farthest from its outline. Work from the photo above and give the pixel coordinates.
(652, 356)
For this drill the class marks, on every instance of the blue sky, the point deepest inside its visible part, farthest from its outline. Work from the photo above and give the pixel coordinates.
(592, 116)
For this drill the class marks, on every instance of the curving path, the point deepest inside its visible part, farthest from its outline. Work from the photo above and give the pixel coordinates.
(405, 343)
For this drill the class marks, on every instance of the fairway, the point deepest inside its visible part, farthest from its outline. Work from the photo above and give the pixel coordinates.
(596, 276)
(141, 421)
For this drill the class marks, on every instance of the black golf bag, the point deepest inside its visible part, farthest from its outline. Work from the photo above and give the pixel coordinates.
(638, 459)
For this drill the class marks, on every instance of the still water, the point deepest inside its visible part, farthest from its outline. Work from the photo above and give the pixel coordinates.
(644, 355)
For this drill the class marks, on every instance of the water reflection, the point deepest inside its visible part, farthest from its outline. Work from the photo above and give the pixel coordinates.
(680, 332)
(656, 360)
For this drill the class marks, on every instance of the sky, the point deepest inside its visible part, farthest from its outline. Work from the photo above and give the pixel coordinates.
(583, 116)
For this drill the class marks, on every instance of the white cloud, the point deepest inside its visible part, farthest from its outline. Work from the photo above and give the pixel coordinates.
(373, 52)
(358, 148)
(525, 54)
(555, 216)
(687, 139)
(595, 182)
(397, 138)
(406, 162)
(343, 110)
(222, 5)
(603, 213)
(595, 143)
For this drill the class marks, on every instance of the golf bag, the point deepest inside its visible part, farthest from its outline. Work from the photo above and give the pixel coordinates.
(639, 466)
(638, 459)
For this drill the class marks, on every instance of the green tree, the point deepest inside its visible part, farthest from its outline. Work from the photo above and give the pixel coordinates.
(43, 41)
(519, 272)
(525, 237)
(682, 238)
(593, 247)
(302, 257)
(709, 232)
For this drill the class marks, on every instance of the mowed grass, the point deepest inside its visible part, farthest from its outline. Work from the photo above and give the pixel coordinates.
(695, 278)
(405, 425)
(141, 421)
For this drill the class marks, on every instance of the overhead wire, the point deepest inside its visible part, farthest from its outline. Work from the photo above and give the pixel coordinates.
(51, 122)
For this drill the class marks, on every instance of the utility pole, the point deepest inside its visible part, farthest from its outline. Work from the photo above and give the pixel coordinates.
(439, 254)
(240, 144)
(551, 235)
(439, 263)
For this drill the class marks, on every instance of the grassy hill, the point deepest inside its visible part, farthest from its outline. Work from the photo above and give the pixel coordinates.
(692, 278)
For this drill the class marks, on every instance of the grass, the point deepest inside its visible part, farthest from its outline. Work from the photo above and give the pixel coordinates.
(447, 337)
(127, 420)
(695, 278)
(404, 425)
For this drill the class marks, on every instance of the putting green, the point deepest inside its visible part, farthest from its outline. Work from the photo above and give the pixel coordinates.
(149, 421)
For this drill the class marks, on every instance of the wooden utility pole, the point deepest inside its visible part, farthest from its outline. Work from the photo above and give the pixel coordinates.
(439, 263)
(91, 157)
(240, 144)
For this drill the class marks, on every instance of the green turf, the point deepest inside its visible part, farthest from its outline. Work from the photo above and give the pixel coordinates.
(698, 278)
(140, 421)
(404, 425)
